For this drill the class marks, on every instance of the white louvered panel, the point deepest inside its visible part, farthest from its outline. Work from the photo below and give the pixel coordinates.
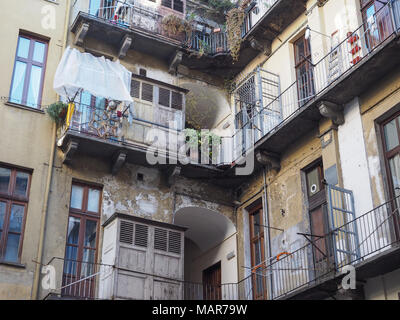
(141, 235)
(126, 232)
(174, 242)
(160, 239)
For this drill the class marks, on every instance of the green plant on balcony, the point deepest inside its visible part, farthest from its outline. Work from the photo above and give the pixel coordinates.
(234, 22)
(196, 138)
(174, 26)
(57, 112)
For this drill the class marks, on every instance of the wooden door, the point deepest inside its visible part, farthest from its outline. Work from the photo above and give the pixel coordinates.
(257, 244)
(212, 282)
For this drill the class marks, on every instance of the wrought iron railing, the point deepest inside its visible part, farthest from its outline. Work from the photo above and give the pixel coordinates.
(75, 279)
(138, 17)
(350, 241)
(341, 60)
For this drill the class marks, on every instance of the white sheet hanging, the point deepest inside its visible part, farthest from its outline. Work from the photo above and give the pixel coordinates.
(99, 76)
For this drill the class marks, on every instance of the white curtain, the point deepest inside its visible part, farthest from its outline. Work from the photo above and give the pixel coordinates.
(98, 76)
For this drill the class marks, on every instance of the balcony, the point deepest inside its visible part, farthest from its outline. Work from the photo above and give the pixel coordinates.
(124, 26)
(370, 242)
(353, 66)
(270, 18)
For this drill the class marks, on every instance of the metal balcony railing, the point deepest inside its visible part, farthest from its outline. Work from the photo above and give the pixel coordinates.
(358, 45)
(127, 125)
(124, 14)
(350, 241)
(75, 279)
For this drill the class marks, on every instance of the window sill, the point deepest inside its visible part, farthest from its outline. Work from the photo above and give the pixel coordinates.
(13, 264)
(21, 106)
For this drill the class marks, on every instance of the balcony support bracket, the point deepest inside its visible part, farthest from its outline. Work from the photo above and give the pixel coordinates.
(118, 161)
(269, 160)
(175, 62)
(332, 111)
(69, 150)
(81, 34)
(263, 46)
(172, 173)
(125, 46)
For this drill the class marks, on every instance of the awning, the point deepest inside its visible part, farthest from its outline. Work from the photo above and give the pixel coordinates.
(98, 76)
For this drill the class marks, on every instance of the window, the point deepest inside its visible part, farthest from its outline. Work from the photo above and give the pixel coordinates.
(177, 5)
(146, 92)
(257, 252)
(81, 240)
(28, 75)
(14, 196)
(377, 21)
(390, 132)
(304, 71)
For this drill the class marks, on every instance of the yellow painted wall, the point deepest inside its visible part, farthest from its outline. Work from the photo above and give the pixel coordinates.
(26, 135)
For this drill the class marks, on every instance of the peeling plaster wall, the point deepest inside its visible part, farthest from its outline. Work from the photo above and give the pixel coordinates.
(151, 198)
(353, 158)
(285, 190)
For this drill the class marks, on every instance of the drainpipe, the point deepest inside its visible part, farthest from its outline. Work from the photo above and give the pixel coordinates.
(266, 218)
(35, 287)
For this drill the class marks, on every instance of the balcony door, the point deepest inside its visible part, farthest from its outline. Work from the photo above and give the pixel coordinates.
(319, 221)
(391, 145)
(304, 71)
(212, 282)
(377, 21)
(81, 243)
(257, 244)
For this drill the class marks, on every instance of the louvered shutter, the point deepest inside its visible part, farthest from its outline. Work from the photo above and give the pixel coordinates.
(141, 235)
(174, 242)
(126, 232)
(177, 100)
(147, 92)
(164, 97)
(160, 239)
(135, 89)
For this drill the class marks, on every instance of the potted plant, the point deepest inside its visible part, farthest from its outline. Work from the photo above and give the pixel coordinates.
(57, 112)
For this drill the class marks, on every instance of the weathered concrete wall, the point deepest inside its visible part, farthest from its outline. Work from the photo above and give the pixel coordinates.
(384, 287)
(375, 106)
(26, 134)
(151, 198)
(287, 208)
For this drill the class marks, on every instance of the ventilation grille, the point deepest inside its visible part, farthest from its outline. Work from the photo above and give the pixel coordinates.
(174, 242)
(141, 235)
(160, 239)
(126, 232)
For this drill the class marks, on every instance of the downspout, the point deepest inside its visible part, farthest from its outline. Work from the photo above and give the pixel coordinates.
(268, 240)
(35, 288)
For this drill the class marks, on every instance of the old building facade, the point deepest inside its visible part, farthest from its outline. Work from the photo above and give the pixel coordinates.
(297, 182)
